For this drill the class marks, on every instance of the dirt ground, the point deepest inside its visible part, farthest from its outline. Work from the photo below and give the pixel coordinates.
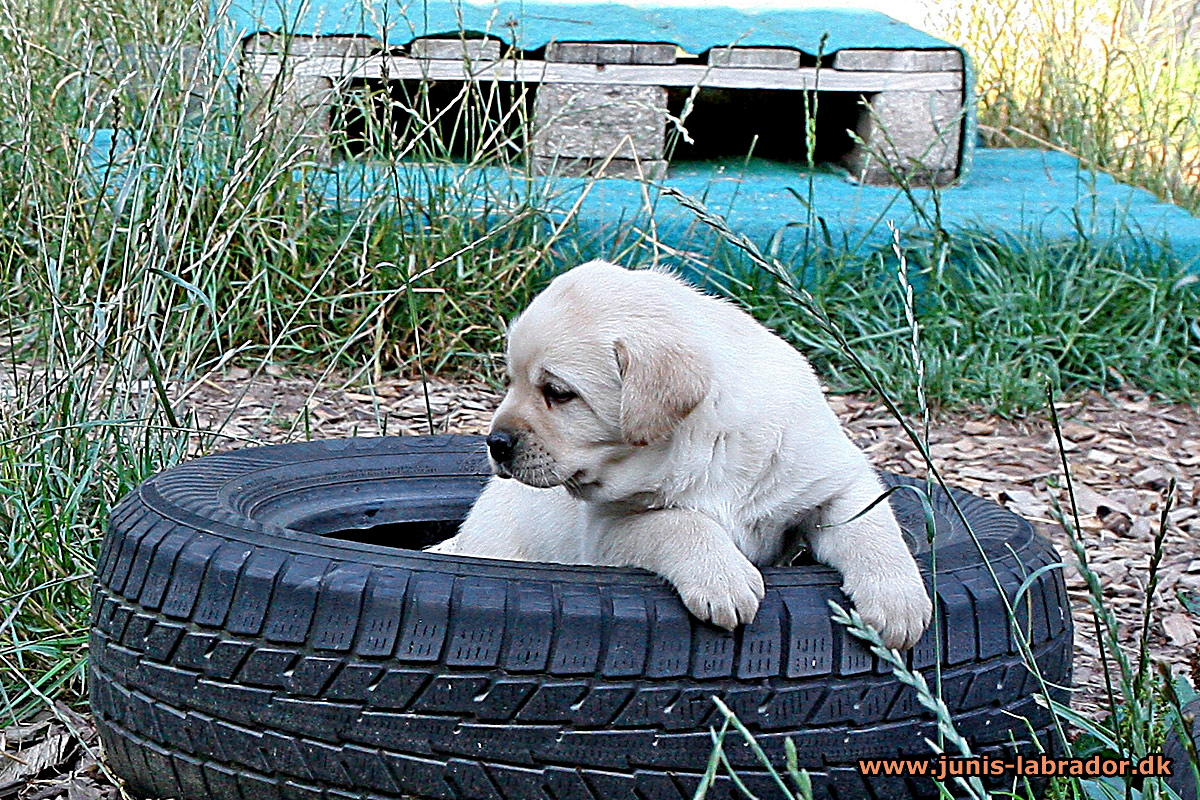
(1122, 449)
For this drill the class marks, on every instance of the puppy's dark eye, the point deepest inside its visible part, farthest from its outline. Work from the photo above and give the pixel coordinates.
(557, 395)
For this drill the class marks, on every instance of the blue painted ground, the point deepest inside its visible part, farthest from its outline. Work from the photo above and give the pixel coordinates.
(1012, 194)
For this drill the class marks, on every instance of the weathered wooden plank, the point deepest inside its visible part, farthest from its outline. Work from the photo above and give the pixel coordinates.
(764, 57)
(610, 53)
(588, 114)
(400, 67)
(456, 49)
(898, 60)
(304, 47)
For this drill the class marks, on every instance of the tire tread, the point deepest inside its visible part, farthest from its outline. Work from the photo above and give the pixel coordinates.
(231, 660)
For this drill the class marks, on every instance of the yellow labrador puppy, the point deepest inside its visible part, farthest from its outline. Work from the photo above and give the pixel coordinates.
(649, 425)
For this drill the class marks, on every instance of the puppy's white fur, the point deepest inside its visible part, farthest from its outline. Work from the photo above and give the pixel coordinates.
(662, 428)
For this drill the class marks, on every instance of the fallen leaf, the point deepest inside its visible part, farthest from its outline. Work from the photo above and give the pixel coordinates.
(1102, 457)
(975, 427)
(1179, 629)
(19, 734)
(1116, 522)
(83, 789)
(1158, 454)
(29, 761)
(1082, 471)
(49, 790)
(1077, 432)
(1053, 445)
(1181, 515)
(1089, 502)
(1016, 496)
(1141, 530)
(1112, 571)
(1137, 407)
(1024, 503)
(941, 450)
(82, 727)
(985, 474)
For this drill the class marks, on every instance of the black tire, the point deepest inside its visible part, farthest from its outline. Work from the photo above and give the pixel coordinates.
(243, 646)
(1183, 777)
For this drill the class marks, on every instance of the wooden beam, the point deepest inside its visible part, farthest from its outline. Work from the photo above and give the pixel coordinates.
(899, 60)
(610, 53)
(393, 67)
(764, 57)
(456, 49)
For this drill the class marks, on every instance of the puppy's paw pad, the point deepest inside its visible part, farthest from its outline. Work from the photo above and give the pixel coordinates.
(900, 614)
(727, 598)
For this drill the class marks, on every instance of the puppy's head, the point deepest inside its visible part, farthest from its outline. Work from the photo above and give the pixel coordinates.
(602, 369)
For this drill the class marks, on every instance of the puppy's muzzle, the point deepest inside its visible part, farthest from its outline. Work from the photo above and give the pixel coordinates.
(501, 445)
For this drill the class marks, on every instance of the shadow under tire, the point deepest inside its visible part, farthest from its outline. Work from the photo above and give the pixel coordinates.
(259, 630)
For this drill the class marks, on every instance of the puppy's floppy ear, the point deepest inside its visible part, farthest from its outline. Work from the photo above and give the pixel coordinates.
(661, 382)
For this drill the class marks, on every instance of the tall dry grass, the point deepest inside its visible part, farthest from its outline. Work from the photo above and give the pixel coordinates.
(1114, 82)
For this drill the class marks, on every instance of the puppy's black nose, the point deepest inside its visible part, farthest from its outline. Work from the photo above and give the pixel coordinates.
(500, 445)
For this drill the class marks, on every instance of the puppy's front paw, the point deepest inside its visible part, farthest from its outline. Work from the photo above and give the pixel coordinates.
(726, 594)
(899, 609)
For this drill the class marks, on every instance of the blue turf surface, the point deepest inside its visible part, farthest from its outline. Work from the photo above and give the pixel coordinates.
(1023, 196)
(1018, 195)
